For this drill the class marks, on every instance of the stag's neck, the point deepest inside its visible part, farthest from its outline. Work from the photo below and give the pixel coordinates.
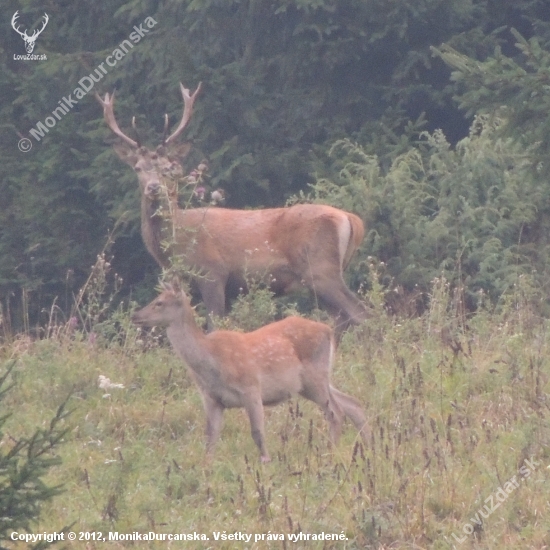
(159, 223)
(191, 344)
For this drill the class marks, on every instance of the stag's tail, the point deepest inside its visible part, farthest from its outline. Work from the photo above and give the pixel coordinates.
(357, 234)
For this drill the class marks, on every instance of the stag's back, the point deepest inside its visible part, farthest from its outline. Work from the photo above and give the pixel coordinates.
(268, 239)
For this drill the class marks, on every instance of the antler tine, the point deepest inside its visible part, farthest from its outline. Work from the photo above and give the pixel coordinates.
(136, 133)
(165, 131)
(13, 23)
(109, 116)
(36, 32)
(188, 101)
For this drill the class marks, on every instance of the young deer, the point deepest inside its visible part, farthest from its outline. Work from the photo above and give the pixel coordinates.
(263, 367)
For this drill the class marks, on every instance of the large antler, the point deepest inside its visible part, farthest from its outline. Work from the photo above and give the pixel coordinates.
(35, 33)
(110, 119)
(188, 101)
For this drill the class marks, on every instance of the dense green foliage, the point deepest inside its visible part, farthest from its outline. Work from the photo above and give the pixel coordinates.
(281, 82)
(468, 213)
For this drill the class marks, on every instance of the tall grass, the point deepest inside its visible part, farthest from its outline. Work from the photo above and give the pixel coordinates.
(456, 403)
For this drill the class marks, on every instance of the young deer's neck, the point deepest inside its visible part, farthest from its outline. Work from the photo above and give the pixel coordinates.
(190, 343)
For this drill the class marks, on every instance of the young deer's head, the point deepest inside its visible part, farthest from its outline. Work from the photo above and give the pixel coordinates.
(167, 308)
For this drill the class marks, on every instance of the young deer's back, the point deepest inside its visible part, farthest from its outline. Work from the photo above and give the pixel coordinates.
(277, 358)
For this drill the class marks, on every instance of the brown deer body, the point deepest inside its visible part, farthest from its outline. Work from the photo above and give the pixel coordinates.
(302, 245)
(250, 370)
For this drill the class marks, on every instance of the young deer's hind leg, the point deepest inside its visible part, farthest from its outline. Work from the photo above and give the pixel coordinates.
(316, 385)
(353, 410)
(321, 395)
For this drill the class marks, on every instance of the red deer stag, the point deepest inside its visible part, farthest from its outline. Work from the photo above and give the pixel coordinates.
(264, 367)
(300, 245)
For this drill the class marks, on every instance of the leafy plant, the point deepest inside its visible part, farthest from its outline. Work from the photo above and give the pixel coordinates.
(24, 462)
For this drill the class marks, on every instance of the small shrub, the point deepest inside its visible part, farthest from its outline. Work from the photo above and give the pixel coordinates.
(24, 462)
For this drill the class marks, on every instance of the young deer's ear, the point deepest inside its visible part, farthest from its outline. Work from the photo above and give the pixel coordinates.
(176, 284)
(165, 287)
(173, 286)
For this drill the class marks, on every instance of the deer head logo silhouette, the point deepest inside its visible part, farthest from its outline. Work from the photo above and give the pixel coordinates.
(30, 41)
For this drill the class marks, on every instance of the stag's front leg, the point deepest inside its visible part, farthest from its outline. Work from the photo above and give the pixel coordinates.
(212, 289)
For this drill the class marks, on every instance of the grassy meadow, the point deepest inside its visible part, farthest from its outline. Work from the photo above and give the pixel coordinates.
(457, 405)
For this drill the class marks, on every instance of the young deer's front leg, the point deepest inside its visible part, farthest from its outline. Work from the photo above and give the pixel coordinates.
(255, 410)
(214, 417)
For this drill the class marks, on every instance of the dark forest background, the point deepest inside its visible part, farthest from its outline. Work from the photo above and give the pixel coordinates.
(439, 110)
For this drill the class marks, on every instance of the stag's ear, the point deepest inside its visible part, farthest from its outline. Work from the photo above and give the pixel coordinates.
(178, 150)
(126, 153)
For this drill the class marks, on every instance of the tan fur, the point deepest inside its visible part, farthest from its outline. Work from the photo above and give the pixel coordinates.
(302, 245)
(250, 370)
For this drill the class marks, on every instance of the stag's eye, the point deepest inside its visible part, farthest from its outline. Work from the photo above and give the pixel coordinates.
(159, 303)
(138, 169)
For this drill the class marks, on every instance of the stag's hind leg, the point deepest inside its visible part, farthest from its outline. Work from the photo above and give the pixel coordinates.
(321, 268)
(327, 284)
(342, 303)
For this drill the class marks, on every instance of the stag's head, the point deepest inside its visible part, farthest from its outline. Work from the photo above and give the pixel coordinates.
(30, 41)
(158, 170)
(157, 173)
